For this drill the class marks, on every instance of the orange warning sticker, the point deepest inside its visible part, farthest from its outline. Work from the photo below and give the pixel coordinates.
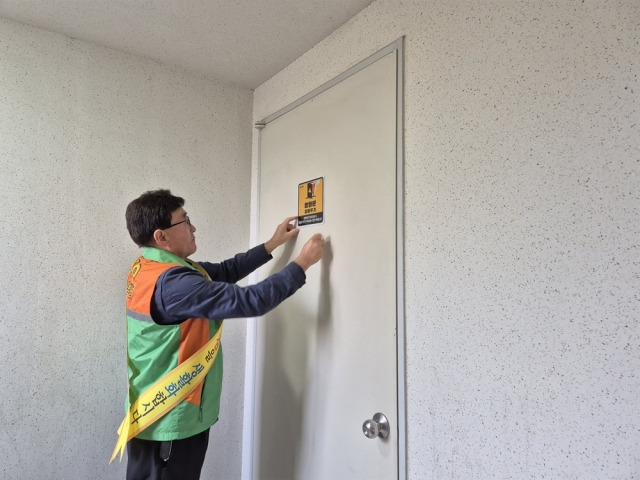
(311, 202)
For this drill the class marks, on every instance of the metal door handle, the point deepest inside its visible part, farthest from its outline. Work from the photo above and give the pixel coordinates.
(378, 426)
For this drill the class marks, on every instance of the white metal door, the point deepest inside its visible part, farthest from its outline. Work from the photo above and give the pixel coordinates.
(326, 357)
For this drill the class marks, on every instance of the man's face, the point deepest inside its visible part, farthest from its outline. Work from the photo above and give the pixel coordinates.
(180, 237)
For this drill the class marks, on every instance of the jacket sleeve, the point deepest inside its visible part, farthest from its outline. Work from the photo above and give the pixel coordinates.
(182, 293)
(238, 267)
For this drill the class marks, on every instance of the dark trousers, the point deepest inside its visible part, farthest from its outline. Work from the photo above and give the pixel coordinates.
(172, 460)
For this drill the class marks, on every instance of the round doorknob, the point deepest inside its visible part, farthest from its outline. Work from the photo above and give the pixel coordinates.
(378, 426)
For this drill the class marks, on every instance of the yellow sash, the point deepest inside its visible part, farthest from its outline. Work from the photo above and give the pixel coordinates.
(169, 391)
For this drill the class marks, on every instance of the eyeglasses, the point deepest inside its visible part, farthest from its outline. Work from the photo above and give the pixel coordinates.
(187, 220)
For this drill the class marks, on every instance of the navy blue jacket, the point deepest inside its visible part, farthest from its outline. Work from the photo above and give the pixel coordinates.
(183, 293)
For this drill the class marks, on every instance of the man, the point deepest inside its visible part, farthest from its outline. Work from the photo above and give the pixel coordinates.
(173, 310)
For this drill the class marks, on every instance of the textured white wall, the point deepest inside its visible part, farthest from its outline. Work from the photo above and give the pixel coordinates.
(84, 130)
(522, 148)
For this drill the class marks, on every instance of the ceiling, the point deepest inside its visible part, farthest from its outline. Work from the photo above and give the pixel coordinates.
(242, 42)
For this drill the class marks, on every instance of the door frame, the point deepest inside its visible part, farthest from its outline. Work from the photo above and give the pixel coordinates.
(251, 336)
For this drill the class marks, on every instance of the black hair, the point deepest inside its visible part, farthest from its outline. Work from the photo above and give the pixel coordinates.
(149, 212)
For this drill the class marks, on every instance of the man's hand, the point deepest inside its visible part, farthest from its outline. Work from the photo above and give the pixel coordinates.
(284, 232)
(312, 252)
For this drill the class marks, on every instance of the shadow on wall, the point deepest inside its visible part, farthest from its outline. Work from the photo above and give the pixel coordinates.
(293, 341)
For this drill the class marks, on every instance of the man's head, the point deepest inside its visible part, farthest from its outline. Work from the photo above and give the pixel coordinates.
(157, 219)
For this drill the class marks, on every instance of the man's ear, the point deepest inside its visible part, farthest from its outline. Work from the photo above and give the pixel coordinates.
(159, 238)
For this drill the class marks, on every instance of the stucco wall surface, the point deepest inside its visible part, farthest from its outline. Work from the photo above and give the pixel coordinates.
(83, 131)
(522, 153)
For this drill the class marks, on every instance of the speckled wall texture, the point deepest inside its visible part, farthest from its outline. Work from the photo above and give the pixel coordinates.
(522, 151)
(84, 130)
